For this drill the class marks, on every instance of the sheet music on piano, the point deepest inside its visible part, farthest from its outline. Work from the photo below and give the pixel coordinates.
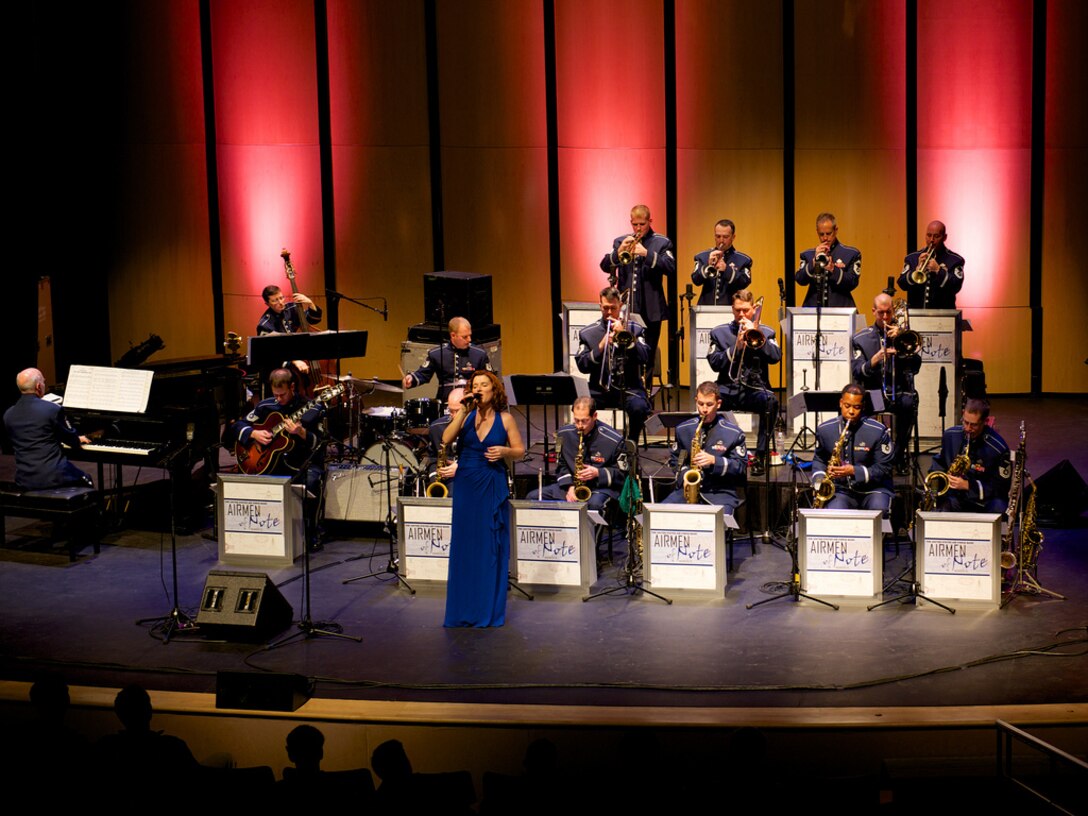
(100, 388)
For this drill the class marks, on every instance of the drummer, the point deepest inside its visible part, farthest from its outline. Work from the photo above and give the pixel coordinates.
(454, 361)
(453, 405)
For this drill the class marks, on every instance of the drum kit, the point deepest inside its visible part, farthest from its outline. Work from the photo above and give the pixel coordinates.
(386, 445)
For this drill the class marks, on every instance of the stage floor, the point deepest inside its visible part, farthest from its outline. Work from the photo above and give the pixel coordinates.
(79, 618)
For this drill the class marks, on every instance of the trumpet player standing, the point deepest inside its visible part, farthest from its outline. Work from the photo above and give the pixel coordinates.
(589, 454)
(723, 270)
(830, 270)
(984, 487)
(741, 352)
(638, 264)
(861, 473)
(933, 275)
(722, 459)
(879, 365)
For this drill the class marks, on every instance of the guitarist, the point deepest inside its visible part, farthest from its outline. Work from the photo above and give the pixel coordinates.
(302, 437)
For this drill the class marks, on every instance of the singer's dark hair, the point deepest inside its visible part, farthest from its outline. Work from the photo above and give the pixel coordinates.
(498, 402)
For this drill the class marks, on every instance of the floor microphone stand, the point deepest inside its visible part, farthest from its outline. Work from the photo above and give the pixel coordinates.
(793, 589)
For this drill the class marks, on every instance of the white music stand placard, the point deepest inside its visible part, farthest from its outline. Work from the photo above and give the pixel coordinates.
(702, 320)
(958, 557)
(259, 519)
(939, 330)
(840, 552)
(424, 537)
(683, 548)
(551, 544)
(837, 328)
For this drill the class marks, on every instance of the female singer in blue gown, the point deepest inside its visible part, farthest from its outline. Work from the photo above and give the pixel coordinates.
(480, 534)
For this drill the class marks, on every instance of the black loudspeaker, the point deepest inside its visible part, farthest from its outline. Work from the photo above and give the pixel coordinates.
(457, 294)
(1062, 496)
(242, 606)
(261, 691)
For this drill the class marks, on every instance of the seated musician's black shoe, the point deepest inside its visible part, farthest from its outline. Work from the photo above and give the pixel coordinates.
(758, 466)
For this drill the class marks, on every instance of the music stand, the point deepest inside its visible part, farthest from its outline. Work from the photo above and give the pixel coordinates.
(544, 389)
(270, 350)
(812, 402)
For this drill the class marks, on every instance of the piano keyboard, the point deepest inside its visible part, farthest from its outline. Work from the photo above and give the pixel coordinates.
(131, 448)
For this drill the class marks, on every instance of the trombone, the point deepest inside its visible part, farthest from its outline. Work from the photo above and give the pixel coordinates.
(752, 339)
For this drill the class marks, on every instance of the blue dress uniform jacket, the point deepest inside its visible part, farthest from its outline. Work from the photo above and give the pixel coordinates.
(602, 447)
(287, 321)
(452, 365)
(37, 428)
(718, 288)
(754, 372)
(866, 344)
(648, 292)
(843, 278)
(868, 448)
(590, 359)
(289, 462)
(725, 441)
(988, 476)
(939, 291)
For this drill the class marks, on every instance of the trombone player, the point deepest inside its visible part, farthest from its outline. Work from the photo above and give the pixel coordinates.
(861, 477)
(589, 455)
(741, 353)
(933, 275)
(882, 361)
(723, 270)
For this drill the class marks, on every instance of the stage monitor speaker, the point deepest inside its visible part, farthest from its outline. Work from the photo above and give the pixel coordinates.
(260, 691)
(1063, 495)
(450, 294)
(242, 606)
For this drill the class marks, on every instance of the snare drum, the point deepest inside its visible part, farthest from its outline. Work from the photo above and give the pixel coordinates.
(378, 423)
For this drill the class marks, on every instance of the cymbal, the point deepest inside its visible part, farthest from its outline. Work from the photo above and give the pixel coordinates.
(369, 385)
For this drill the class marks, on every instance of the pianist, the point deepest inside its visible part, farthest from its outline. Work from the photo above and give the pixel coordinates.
(36, 428)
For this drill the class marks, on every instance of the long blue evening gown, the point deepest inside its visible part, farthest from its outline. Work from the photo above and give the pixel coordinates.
(480, 535)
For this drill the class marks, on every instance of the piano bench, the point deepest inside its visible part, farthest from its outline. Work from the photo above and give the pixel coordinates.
(75, 510)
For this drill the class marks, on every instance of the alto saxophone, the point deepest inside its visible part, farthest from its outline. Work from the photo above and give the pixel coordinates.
(581, 489)
(937, 482)
(825, 490)
(693, 476)
(437, 489)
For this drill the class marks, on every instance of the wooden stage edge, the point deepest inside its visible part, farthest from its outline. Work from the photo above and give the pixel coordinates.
(560, 716)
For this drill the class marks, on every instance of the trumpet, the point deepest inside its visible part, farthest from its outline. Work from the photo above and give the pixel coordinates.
(920, 275)
(751, 339)
(627, 255)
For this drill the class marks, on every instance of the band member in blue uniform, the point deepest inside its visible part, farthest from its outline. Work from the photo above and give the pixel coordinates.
(830, 270)
(652, 260)
(305, 436)
(940, 279)
(285, 316)
(723, 270)
(37, 428)
(722, 458)
(601, 445)
(863, 479)
(437, 427)
(453, 362)
(872, 365)
(984, 488)
(615, 373)
(744, 380)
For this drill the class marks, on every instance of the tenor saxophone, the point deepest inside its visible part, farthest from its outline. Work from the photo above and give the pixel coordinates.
(581, 489)
(825, 490)
(693, 476)
(437, 489)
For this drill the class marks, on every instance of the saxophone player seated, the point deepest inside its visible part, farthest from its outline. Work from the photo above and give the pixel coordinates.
(979, 482)
(588, 454)
(852, 468)
(720, 460)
